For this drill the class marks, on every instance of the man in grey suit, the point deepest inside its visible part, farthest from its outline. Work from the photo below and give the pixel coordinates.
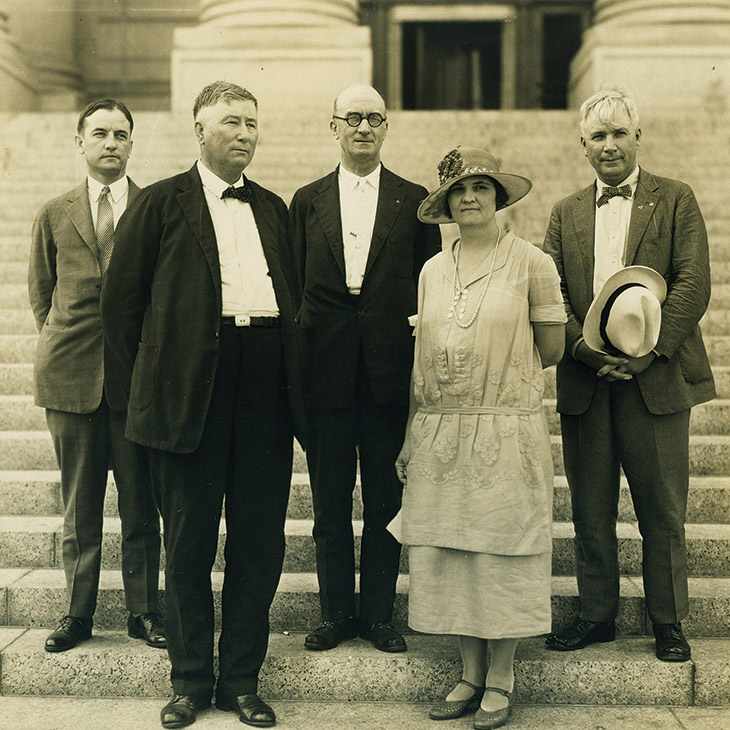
(631, 412)
(72, 243)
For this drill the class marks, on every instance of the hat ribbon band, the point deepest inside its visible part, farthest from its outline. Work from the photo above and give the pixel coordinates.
(606, 311)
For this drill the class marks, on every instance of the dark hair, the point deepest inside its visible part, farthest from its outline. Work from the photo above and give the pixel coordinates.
(500, 195)
(108, 104)
(222, 91)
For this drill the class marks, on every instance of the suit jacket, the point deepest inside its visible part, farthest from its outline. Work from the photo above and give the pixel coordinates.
(64, 284)
(162, 306)
(666, 233)
(334, 326)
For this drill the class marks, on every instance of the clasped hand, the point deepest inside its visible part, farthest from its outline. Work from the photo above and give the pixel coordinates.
(613, 367)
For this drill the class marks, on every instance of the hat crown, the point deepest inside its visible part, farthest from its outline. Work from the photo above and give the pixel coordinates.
(466, 161)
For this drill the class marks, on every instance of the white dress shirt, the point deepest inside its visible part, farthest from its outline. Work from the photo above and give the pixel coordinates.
(612, 231)
(118, 194)
(246, 285)
(358, 204)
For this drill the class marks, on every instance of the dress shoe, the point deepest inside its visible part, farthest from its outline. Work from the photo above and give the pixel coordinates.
(331, 633)
(251, 709)
(671, 646)
(451, 709)
(182, 709)
(383, 636)
(581, 633)
(69, 632)
(484, 720)
(147, 626)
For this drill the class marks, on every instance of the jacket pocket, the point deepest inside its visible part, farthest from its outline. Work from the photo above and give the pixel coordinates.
(144, 374)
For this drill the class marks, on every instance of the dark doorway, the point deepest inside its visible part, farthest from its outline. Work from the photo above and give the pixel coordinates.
(561, 39)
(452, 65)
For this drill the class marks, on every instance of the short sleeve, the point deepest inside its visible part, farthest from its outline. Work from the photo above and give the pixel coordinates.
(545, 297)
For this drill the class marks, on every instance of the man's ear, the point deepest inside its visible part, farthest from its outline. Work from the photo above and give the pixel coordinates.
(199, 133)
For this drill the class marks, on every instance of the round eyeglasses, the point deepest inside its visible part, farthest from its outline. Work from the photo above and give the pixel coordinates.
(354, 119)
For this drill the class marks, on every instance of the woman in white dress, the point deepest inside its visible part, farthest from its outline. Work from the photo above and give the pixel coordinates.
(476, 462)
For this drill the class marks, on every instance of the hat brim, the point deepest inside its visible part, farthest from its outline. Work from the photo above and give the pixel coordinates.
(642, 275)
(435, 207)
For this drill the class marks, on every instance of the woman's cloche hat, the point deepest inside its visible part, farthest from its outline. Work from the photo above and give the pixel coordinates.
(464, 162)
(627, 313)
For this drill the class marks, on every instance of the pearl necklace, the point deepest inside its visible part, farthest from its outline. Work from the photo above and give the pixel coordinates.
(461, 294)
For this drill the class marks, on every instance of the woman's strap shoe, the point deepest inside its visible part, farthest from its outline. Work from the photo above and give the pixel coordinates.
(451, 709)
(484, 720)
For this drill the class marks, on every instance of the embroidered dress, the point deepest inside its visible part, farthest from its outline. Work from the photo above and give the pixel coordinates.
(477, 509)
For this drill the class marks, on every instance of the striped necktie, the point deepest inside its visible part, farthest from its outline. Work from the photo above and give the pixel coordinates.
(104, 229)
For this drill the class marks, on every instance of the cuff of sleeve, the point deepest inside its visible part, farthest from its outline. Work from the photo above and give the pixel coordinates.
(574, 346)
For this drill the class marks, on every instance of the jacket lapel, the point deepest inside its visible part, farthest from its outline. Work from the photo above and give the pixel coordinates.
(265, 216)
(581, 248)
(641, 212)
(327, 205)
(191, 198)
(79, 212)
(390, 198)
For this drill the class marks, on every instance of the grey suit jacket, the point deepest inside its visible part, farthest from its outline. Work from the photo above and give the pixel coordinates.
(667, 233)
(64, 284)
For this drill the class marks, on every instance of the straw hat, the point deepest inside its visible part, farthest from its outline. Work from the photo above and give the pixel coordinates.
(463, 162)
(627, 313)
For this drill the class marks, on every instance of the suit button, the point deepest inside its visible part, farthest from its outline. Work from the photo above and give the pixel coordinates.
(97, 287)
(361, 311)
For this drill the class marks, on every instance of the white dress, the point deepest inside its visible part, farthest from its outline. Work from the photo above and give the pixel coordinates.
(477, 509)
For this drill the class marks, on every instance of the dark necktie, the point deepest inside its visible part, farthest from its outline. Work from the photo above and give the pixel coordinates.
(608, 192)
(104, 229)
(241, 193)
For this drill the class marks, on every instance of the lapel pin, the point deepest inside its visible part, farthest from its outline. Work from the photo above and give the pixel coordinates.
(640, 207)
(651, 204)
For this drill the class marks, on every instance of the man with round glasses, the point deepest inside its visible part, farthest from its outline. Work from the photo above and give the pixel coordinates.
(360, 249)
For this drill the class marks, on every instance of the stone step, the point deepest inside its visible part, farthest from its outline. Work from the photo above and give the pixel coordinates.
(25, 450)
(621, 672)
(80, 713)
(30, 541)
(39, 493)
(19, 413)
(36, 598)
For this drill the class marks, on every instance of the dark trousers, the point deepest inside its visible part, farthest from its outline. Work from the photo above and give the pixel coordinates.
(618, 430)
(335, 437)
(244, 455)
(86, 445)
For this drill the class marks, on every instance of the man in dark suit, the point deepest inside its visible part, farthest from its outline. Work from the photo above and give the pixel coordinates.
(631, 412)
(72, 241)
(198, 310)
(359, 250)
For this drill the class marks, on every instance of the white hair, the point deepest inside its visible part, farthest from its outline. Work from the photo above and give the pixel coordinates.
(606, 102)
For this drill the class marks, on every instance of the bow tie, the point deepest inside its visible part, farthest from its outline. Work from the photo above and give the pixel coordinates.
(241, 193)
(608, 192)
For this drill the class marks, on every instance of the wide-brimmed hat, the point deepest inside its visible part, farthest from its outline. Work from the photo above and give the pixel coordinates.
(627, 313)
(463, 162)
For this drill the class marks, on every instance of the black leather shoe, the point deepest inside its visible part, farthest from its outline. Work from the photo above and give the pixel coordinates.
(251, 709)
(671, 646)
(147, 626)
(69, 632)
(331, 633)
(581, 633)
(383, 636)
(181, 710)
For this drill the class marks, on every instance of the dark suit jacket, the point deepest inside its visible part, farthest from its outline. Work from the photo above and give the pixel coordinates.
(667, 233)
(333, 325)
(161, 307)
(64, 283)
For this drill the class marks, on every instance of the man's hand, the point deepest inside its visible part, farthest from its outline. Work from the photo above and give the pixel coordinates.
(637, 365)
(609, 366)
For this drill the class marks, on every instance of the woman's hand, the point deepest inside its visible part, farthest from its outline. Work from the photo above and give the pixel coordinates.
(401, 463)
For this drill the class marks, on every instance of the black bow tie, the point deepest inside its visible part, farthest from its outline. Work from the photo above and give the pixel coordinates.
(607, 193)
(241, 193)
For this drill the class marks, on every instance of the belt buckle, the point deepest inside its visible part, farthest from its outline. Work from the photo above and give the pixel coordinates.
(242, 320)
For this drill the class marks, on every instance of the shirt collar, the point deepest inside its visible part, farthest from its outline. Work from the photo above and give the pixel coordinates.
(349, 180)
(118, 189)
(632, 181)
(213, 183)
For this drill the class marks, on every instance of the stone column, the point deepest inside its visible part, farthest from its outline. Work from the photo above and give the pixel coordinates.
(16, 80)
(670, 54)
(46, 34)
(292, 54)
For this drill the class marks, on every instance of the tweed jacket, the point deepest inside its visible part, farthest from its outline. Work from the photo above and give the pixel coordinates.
(667, 233)
(64, 285)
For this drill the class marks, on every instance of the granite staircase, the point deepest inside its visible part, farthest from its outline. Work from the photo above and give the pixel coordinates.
(544, 146)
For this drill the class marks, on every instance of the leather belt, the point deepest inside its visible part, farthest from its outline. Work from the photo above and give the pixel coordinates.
(243, 320)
